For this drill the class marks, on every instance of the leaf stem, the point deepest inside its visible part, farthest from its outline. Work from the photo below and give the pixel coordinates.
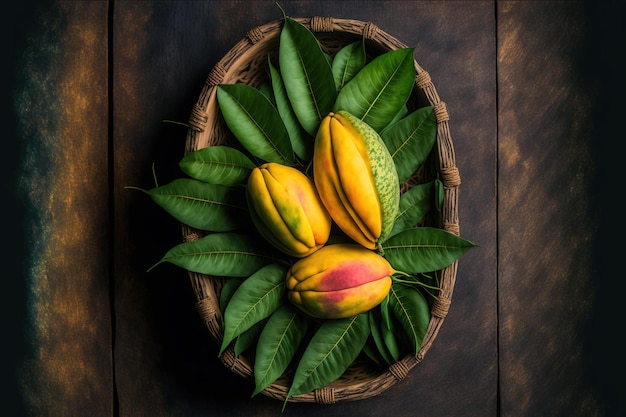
(156, 183)
(175, 122)
(132, 187)
(282, 10)
(412, 282)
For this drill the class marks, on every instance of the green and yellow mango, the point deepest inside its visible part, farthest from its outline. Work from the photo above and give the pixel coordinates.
(356, 178)
(286, 209)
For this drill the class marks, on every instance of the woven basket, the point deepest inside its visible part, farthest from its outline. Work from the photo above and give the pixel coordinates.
(246, 62)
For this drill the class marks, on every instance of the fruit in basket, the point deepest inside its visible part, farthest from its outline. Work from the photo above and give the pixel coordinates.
(339, 281)
(356, 178)
(286, 209)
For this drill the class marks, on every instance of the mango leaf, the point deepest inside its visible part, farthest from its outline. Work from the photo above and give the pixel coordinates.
(424, 249)
(391, 341)
(388, 330)
(217, 165)
(401, 114)
(210, 207)
(385, 312)
(329, 59)
(439, 194)
(347, 62)
(410, 140)
(301, 146)
(255, 299)
(248, 339)
(377, 336)
(255, 122)
(267, 90)
(278, 343)
(411, 309)
(220, 254)
(227, 291)
(333, 347)
(307, 75)
(414, 204)
(378, 91)
(371, 351)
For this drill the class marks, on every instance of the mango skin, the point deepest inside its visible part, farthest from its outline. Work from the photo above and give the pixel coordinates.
(339, 281)
(286, 209)
(356, 178)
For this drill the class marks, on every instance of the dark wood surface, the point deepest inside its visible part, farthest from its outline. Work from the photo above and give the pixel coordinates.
(534, 93)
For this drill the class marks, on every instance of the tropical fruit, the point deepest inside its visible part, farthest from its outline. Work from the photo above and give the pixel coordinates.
(286, 209)
(356, 178)
(339, 281)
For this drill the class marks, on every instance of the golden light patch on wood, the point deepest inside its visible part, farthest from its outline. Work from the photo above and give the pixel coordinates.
(64, 118)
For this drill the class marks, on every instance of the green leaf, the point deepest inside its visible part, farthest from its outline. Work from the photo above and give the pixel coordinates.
(371, 352)
(217, 165)
(267, 90)
(277, 345)
(227, 291)
(249, 338)
(411, 309)
(424, 249)
(333, 347)
(377, 93)
(385, 312)
(255, 122)
(255, 299)
(414, 204)
(377, 336)
(348, 61)
(388, 330)
(220, 254)
(399, 116)
(439, 194)
(391, 342)
(301, 146)
(410, 140)
(209, 207)
(329, 59)
(307, 75)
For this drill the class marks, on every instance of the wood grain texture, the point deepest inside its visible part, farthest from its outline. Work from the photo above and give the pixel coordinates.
(546, 218)
(61, 98)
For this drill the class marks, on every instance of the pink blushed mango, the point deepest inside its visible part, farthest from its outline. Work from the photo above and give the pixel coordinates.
(339, 281)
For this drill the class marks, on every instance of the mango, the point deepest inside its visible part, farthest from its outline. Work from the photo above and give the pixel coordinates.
(286, 209)
(356, 178)
(338, 281)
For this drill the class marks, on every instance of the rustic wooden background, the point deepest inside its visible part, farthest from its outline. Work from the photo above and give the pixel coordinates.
(535, 94)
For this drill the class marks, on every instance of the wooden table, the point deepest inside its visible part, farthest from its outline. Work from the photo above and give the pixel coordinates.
(532, 91)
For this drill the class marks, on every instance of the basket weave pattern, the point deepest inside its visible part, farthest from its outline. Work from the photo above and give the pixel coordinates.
(246, 63)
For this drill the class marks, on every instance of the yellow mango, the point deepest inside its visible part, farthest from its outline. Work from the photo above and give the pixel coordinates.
(286, 209)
